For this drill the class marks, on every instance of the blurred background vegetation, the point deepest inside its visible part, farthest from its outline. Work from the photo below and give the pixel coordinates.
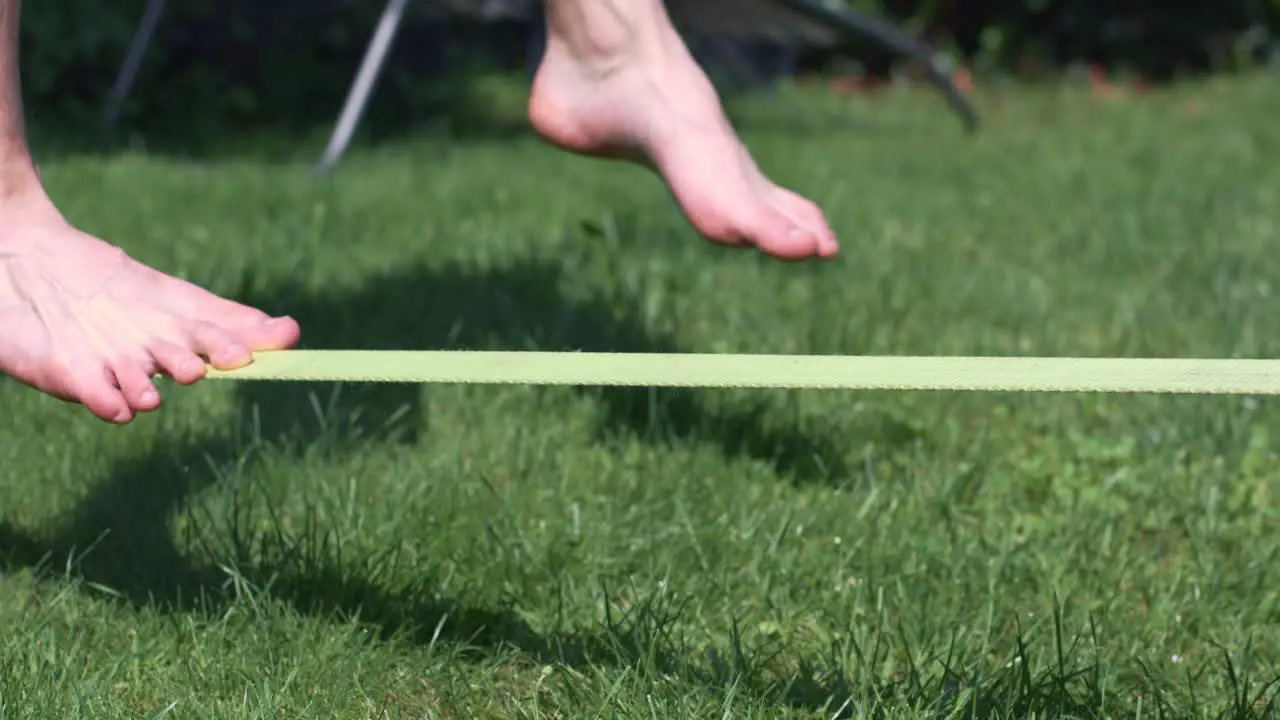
(286, 64)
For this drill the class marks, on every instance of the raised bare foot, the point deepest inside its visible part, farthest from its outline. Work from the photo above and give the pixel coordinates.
(619, 83)
(82, 321)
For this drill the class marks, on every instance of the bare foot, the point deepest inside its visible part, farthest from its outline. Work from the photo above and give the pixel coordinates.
(650, 103)
(82, 321)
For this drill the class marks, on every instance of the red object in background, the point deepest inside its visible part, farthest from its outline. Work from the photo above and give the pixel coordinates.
(851, 84)
(1098, 81)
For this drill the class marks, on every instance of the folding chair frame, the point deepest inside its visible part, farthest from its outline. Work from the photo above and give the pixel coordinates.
(366, 79)
(384, 35)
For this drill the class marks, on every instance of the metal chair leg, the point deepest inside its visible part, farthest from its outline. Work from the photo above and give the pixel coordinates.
(133, 61)
(362, 87)
(854, 22)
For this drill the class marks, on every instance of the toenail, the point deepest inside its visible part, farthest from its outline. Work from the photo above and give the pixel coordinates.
(798, 234)
(150, 396)
(122, 417)
(233, 356)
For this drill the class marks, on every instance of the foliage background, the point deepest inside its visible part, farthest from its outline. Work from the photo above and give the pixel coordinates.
(290, 61)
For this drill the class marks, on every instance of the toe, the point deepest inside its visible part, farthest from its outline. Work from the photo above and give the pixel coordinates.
(776, 234)
(136, 387)
(184, 366)
(272, 334)
(194, 301)
(809, 216)
(222, 349)
(249, 326)
(94, 387)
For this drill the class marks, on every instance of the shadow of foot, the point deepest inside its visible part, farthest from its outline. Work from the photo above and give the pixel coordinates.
(122, 536)
(519, 307)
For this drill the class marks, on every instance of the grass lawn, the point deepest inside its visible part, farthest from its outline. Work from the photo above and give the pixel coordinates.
(299, 551)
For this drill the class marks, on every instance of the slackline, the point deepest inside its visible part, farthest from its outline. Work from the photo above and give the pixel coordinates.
(833, 372)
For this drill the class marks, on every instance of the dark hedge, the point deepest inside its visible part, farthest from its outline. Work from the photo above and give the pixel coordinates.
(293, 59)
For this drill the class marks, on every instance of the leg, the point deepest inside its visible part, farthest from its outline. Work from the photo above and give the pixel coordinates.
(618, 82)
(79, 319)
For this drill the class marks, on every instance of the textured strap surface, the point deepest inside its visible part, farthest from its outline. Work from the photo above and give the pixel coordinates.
(1025, 374)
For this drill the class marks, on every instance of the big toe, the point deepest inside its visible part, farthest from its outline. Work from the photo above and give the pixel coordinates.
(809, 218)
(248, 325)
(271, 334)
(776, 234)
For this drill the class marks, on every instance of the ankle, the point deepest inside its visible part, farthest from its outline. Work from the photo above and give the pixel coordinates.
(599, 36)
(19, 179)
(23, 204)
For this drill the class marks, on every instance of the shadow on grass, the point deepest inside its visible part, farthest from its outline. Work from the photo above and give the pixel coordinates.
(520, 307)
(120, 538)
(304, 570)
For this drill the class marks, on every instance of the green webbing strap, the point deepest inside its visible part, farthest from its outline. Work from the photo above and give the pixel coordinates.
(1006, 374)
